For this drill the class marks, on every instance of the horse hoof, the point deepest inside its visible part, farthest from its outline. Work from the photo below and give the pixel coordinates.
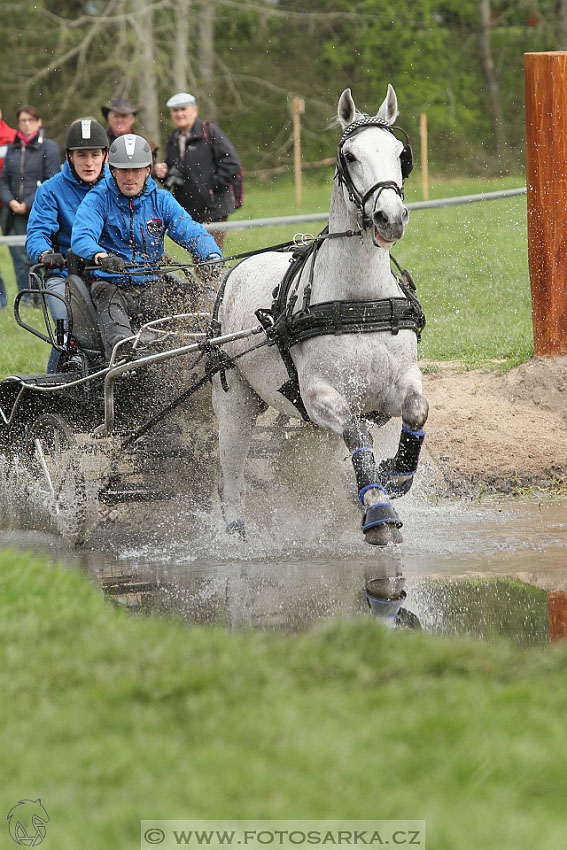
(381, 525)
(236, 527)
(381, 535)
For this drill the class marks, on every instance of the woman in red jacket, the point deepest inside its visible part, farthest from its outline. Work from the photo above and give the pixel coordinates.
(30, 160)
(7, 135)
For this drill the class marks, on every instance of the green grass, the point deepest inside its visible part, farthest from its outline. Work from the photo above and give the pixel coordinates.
(469, 263)
(111, 719)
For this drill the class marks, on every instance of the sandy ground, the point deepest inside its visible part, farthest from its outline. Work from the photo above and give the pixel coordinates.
(498, 433)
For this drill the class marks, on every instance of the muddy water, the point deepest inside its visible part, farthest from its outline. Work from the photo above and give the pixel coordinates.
(484, 569)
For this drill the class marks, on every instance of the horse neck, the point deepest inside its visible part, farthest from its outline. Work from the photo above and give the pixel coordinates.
(350, 268)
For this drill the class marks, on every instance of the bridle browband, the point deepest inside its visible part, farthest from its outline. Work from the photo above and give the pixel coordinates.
(343, 173)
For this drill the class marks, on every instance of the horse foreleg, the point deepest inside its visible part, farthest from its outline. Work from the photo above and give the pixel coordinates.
(236, 412)
(380, 523)
(396, 474)
(328, 408)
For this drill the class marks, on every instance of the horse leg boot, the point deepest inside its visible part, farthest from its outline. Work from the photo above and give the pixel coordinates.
(381, 523)
(396, 474)
(327, 408)
(236, 412)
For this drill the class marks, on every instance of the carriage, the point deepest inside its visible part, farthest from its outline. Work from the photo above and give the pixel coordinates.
(337, 347)
(98, 434)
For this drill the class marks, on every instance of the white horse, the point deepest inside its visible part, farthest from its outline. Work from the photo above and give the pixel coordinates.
(345, 379)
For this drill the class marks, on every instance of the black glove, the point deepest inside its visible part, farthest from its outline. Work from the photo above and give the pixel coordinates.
(51, 260)
(111, 263)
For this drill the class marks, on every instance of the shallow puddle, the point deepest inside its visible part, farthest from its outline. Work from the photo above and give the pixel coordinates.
(496, 568)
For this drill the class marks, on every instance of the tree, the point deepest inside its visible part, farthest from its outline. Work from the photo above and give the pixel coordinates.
(491, 76)
(143, 24)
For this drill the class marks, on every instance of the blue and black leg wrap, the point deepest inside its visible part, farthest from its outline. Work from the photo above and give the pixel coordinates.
(379, 514)
(236, 527)
(396, 474)
(359, 440)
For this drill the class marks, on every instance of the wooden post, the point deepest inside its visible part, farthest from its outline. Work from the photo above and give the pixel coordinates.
(298, 109)
(424, 159)
(545, 77)
(557, 614)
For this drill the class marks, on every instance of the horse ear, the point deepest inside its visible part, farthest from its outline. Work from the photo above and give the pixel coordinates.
(347, 110)
(389, 109)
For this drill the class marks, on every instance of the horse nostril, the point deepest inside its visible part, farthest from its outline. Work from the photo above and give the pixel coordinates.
(405, 215)
(380, 220)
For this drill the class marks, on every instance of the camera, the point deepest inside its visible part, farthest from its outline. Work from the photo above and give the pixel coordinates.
(174, 178)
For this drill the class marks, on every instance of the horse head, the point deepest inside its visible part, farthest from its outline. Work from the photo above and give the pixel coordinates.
(372, 164)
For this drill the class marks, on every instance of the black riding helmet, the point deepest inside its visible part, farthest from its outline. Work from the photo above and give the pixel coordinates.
(85, 134)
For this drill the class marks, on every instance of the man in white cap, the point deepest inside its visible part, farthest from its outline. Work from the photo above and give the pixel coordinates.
(201, 164)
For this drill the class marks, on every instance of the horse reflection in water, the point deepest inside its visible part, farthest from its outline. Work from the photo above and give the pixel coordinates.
(344, 337)
(290, 597)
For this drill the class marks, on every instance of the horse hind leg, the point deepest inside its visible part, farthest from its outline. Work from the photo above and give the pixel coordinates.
(396, 474)
(381, 524)
(236, 411)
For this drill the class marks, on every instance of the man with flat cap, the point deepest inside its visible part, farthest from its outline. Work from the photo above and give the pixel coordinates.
(201, 164)
(121, 115)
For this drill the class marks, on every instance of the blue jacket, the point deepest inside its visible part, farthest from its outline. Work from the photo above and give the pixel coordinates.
(134, 229)
(53, 213)
(24, 169)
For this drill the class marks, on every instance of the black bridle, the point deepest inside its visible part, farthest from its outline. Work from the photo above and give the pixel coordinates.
(343, 174)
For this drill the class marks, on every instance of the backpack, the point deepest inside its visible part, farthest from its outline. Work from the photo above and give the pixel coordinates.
(237, 185)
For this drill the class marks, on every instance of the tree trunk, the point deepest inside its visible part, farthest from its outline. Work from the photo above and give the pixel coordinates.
(181, 46)
(147, 87)
(562, 24)
(491, 76)
(207, 55)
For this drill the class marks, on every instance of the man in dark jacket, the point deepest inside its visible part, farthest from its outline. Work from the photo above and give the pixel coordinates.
(201, 164)
(121, 116)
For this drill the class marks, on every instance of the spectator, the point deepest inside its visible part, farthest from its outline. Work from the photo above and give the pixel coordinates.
(121, 116)
(30, 160)
(124, 220)
(7, 135)
(54, 207)
(201, 164)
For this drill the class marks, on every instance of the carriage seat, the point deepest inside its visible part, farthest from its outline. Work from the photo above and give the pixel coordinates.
(85, 323)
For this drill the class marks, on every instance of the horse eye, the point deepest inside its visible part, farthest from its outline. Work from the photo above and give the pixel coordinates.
(350, 157)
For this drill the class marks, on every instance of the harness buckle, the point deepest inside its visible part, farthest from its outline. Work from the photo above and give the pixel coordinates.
(303, 238)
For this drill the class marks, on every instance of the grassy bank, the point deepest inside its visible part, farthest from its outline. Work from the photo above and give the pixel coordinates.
(111, 719)
(469, 263)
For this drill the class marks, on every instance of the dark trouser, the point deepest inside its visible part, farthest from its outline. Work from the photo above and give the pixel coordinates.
(120, 307)
(3, 294)
(20, 259)
(205, 218)
(219, 236)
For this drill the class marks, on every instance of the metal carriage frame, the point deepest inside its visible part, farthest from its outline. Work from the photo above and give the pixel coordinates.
(94, 429)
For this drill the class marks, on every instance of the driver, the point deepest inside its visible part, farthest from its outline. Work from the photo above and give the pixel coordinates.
(124, 220)
(54, 207)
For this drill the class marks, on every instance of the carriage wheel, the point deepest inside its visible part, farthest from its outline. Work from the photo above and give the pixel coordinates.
(58, 481)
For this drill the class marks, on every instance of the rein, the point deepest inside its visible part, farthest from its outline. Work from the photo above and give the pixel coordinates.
(299, 241)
